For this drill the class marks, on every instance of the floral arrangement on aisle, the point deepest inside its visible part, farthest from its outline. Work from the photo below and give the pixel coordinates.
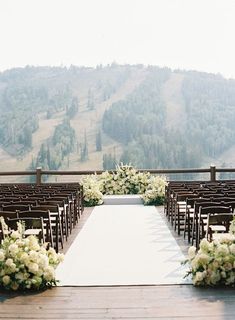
(125, 180)
(155, 191)
(25, 264)
(92, 195)
(214, 263)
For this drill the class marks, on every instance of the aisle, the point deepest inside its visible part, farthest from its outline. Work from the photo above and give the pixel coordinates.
(123, 245)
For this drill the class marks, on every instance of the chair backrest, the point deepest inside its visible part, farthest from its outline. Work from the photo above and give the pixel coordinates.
(222, 219)
(8, 214)
(43, 207)
(32, 226)
(51, 202)
(46, 216)
(25, 202)
(204, 204)
(214, 210)
(191, 201)
(223, 199)
(230, 204)
(16, 207)
(29, 222)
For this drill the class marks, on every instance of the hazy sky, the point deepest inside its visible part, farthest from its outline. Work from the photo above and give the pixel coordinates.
(185, 34)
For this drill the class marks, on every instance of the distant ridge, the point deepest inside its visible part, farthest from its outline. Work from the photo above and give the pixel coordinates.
(152, 117)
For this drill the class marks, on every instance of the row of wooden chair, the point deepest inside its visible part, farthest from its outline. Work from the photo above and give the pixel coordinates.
(186, 207)
(59, 206)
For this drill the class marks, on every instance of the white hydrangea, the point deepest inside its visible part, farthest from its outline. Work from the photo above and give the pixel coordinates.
(25, 264)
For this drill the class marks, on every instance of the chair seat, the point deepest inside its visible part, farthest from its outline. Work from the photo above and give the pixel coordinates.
(217, 228)
(181, 203)
(34, 232)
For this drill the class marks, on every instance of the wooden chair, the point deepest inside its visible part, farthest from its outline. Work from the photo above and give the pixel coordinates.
(189, 216)
(202, 218)
(55, 220)
(62, 211)
(200, 203)
(16, 207)
(33, 226)
(217, 224)
(46, 216)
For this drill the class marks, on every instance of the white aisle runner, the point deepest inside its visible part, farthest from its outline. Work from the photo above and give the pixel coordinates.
(123, 245)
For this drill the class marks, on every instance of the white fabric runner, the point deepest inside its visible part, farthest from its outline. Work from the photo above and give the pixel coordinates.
(123, 245)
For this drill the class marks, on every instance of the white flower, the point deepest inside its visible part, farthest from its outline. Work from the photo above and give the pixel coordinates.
(13, 249)
(222, 250)
(15, 234)
(20, 276)
(43, 261)
(204, 245)
(6, 280)
(232, 248)
(33, 267)
(2, 255)
(49, 274)
(191, 252)
(33, 255)
(9, 262)
(199, 277)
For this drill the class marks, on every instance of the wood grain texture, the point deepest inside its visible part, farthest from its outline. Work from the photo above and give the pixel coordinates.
(153, 302)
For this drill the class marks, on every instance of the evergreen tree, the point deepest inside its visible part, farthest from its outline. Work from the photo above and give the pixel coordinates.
(98, 141)
(84, 149)
(109, 162)
(90, 100)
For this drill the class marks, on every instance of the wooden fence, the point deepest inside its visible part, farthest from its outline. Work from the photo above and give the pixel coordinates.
(39, 173)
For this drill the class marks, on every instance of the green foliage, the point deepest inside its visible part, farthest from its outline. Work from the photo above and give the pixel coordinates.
(73, 109)
(126, 180)
(98, 141)
(53, 152)
(84, 149)
(210, 106)
(140, 121)
(109, 161)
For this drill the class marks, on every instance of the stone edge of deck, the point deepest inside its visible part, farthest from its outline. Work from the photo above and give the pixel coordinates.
(122, 199)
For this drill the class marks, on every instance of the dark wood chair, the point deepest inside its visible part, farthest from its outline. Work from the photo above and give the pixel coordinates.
(204, 211)
(46, 216)
(56, 222)
(32, 226)
(217, 224)
(16, 207)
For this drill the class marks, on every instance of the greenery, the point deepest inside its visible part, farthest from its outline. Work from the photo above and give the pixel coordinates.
(25, 264)
(53, 152)
(125, 180)
(214, 263)
(159, 118)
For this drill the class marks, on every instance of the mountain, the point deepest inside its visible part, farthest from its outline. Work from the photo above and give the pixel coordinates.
(92, 118)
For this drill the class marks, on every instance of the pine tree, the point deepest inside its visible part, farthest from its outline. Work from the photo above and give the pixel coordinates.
(98, 141)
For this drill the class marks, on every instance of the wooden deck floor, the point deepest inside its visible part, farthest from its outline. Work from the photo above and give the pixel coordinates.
(135, 302)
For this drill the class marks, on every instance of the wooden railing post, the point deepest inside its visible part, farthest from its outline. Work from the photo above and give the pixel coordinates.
(212, 173)
(38, 175)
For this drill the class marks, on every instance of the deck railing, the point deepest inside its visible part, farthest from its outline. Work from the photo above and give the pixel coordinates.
(39, 172)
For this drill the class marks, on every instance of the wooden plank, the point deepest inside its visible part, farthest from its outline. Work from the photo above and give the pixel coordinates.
(157, 302)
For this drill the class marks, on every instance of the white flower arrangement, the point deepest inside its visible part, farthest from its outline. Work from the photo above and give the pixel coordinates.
(126, 180)
(155, 192)
(214, 263)
(25, 264)
(91, 190)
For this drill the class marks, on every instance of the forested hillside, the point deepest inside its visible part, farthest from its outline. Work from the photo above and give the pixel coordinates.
(206, 129)
(148, 116)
